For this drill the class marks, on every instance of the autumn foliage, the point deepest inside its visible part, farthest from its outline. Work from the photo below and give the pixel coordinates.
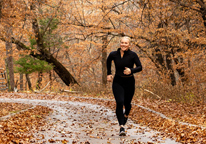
(168, 35)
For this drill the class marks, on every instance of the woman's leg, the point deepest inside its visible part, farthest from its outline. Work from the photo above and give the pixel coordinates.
(129, 93)
(118, 92)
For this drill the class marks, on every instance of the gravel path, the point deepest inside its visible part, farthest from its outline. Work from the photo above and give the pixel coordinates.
(75, 122)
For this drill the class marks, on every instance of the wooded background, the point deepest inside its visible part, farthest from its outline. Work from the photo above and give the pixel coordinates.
(65, 44)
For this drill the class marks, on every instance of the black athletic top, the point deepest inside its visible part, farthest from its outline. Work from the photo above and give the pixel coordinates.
(128, 60)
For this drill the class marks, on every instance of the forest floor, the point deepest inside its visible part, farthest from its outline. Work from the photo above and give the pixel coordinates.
(52, 118)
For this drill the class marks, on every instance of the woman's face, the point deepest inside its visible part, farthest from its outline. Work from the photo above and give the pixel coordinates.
(124, 44)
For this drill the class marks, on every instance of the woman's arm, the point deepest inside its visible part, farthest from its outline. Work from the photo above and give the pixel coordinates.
(138, 64)
(109, 65)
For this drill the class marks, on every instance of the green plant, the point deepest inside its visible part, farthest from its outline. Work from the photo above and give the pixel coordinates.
(27, 65)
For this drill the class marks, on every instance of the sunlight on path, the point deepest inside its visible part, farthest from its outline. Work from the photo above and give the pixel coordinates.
(81, 122)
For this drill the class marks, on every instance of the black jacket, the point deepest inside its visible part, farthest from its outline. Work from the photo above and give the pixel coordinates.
(128, 60)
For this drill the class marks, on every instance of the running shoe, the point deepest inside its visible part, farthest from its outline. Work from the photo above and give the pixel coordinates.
(122, 132)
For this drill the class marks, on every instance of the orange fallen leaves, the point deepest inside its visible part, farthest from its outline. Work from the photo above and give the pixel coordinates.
(167, 127)
(7, 108)
(18, 128)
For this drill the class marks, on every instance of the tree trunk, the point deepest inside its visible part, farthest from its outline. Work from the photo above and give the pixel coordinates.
(1, 3)
(21, 82)
(170, 69)
(159, 58)
(9, 53)
(29, 82)
(104, 57)
(180, 69)
(51, 81)
(62, 72)
(39, 84)
(46, 55)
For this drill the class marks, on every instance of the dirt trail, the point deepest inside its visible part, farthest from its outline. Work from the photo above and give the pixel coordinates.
(87, 123)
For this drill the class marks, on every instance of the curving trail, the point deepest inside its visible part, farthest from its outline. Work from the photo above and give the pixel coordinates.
(75, 122)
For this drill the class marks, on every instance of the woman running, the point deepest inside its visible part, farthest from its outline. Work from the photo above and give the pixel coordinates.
(123, 85)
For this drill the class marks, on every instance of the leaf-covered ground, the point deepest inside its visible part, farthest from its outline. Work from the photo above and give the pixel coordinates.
(11, 108)
(80, 123)
(18, 128)
(172, 127)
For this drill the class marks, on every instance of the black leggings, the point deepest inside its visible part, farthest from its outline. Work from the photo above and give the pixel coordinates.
(123, 90)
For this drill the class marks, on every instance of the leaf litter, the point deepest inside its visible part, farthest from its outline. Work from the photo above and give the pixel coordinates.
(9, 108)
(77, 122)
(18, 128)
(168, 128)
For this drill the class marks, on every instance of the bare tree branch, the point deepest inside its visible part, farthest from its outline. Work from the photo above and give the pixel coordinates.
(201, 3)
(112, 8)
(187, 6)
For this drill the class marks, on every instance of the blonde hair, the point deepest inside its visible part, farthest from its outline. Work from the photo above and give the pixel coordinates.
(126, 38)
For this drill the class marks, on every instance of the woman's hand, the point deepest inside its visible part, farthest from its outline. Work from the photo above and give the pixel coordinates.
(127, 71)
(109, 78)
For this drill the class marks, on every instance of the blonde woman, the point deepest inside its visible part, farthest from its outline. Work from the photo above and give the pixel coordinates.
(123, 85)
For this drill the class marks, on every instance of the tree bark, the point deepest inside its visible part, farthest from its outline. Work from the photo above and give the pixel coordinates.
(29, 82)
(21, 82)
(170, 69)
(104, 57)
(51, 80)
(1, 3)
(39, 84)
(9, 61)
(62, 72)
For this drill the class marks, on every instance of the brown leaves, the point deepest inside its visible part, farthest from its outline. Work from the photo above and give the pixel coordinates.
(6, 108)
(168, 127)
(18, 128)
(193, 114)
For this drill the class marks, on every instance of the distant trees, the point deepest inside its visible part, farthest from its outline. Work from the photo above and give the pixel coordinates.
(174, 30)
(30, 15)
(77, 35)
